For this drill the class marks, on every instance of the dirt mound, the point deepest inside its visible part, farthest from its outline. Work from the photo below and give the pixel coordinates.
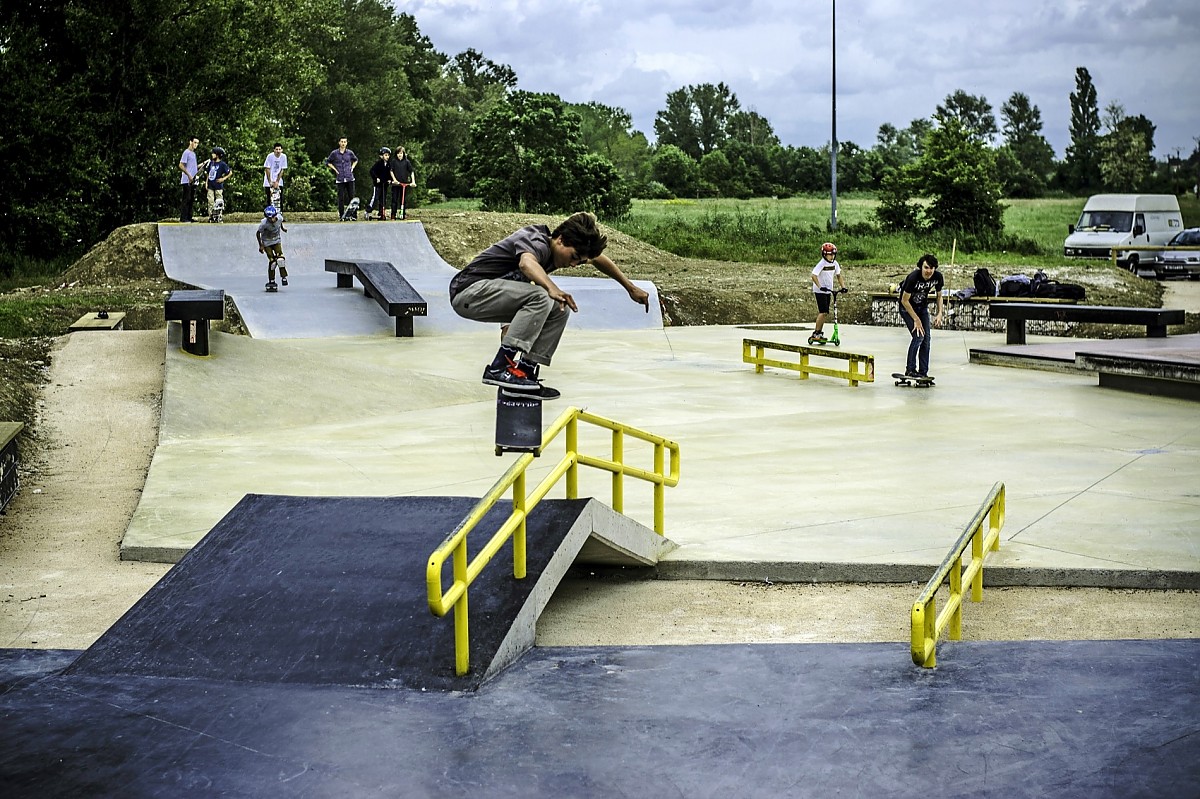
(459, 236)
(129, 253)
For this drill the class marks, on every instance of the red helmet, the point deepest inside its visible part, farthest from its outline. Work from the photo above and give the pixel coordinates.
(828, 249)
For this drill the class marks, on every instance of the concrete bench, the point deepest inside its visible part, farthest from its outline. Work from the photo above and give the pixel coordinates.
(384, 284)
(9, 460)
(195, 308)
(1016, 314)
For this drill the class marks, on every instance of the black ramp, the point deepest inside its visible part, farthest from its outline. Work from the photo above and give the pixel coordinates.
(325, 590)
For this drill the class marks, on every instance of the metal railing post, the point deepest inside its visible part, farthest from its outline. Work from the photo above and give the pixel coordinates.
(659, 490)
(462, 652)
(573, 451)
(618, 477)
(519, 502)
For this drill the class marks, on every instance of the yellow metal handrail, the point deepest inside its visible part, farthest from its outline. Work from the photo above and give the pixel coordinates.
(927, 623)
(455, 546)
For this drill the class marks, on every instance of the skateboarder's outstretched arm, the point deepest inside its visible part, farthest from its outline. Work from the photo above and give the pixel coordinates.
(609, 268)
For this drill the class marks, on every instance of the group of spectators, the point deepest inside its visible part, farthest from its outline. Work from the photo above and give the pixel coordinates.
(389, 176)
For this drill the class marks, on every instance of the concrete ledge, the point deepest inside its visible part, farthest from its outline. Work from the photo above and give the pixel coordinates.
(787, 572)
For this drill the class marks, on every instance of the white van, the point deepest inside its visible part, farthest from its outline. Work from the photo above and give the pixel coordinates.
(1116, 221)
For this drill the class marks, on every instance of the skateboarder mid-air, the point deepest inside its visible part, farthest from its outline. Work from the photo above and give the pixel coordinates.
(270, 241)
(914, 310)
(824, 274)
(510, 283)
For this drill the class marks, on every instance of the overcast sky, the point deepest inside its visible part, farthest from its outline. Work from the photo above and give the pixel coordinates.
(896, 59)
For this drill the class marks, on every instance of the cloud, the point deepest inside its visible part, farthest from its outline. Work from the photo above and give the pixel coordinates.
(896, 61)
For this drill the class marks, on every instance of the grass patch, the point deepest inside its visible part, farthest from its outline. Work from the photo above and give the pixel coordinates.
(47, 312)
(17, 270)
(791, 231)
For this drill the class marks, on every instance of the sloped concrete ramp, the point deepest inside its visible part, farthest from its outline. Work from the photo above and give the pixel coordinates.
(226, 257)
(331, 590)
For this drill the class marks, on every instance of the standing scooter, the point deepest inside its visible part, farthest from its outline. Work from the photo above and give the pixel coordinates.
(836, 339)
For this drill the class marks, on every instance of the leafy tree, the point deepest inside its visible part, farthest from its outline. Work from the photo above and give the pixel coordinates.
(469, 86)
(897, 148)
(696, 118)
(126, 84)
(1125, 160)
(609, 132)
(677, 126)
(749, 128)
(1081, 167)
(1027, 159)
(714, 105)
(958, 172)
(803, 169)
(675, 169)
(526, 154)
(716, 175)
(973, 114)
(858, 169)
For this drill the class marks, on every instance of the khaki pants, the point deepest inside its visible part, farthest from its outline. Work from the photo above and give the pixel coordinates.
(213, 196)
(535, 322)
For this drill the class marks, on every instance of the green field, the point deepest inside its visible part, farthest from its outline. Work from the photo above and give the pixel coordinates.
(791, 230)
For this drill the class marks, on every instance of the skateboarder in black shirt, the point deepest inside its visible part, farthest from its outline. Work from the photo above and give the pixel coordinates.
(914, 310)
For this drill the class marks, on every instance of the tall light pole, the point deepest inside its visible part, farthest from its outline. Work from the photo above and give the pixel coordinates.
(834, 148)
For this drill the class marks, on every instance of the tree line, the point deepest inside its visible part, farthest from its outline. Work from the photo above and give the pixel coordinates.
(101, 97)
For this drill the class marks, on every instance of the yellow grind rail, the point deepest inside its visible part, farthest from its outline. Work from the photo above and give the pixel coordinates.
(983, 534)
(455, 546)
(861, 367)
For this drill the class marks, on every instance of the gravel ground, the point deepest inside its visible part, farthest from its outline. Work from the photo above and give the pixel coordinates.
(62, 583)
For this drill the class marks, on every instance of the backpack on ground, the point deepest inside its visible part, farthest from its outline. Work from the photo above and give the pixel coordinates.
(985, 286)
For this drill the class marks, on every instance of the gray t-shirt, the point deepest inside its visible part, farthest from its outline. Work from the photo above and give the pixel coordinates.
(271, 229)
(502, 260)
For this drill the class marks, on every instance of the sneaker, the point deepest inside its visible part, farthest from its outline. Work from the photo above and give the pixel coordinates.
(283, 280)
(912, 373)
(511, 379)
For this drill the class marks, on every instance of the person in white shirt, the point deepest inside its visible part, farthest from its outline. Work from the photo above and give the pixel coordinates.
(273, 169)
(824, 274)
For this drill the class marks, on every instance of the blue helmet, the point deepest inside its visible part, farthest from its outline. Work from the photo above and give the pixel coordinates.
(270, 210)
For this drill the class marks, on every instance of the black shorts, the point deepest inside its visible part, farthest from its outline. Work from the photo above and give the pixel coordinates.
(822, 301)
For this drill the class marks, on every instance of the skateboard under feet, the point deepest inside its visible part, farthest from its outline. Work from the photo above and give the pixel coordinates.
(908, 380)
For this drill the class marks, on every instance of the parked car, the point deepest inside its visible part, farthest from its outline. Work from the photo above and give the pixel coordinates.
(1180, 263)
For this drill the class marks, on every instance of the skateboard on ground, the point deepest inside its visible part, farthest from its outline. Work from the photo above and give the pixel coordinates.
(906, 380)
(351, 212)
(218, 211)
(272, 286)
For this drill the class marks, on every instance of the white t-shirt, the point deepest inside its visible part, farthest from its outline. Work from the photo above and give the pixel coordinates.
(272, 167)
(824, 272)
